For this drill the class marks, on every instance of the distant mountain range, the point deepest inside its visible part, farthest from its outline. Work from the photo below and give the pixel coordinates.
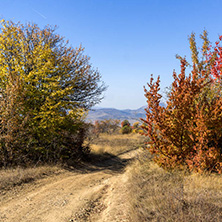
(111, 113)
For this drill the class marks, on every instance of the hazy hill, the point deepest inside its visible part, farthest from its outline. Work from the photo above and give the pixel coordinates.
(111, 113)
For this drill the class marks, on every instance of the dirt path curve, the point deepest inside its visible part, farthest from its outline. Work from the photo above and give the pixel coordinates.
(97, 193)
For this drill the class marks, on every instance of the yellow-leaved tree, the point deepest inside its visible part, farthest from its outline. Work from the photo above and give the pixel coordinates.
(45, 88)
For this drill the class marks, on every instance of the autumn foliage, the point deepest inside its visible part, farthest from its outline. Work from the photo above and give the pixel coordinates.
(188, 131)
(45, 88)
(125, 127)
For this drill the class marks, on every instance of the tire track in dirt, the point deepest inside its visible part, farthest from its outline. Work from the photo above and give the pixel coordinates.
(93, 194)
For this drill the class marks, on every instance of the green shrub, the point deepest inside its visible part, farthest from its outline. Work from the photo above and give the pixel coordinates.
(126, 129)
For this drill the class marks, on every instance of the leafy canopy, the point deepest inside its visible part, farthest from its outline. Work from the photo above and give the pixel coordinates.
(56, 78)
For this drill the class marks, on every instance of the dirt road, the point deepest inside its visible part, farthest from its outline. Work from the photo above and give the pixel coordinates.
(97, 192)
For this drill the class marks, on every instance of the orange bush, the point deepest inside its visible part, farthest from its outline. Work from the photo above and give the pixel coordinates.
(188, 131)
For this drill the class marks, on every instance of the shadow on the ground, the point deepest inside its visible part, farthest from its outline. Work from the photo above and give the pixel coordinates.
(105, 162)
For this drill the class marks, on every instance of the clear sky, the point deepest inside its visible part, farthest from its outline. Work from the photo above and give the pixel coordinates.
(127, 40)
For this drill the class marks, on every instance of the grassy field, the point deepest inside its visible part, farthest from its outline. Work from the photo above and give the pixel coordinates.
(117, 143)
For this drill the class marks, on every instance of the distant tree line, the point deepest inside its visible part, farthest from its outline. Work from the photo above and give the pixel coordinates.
(114, 126)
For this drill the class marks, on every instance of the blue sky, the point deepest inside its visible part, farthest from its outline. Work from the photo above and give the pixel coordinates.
(127, 40)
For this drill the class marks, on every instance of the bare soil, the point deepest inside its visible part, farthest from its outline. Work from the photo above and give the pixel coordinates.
(94, 192)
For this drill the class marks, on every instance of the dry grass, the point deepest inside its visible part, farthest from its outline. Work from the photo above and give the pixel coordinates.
(157, 195)
(14, 177)
(116, 144)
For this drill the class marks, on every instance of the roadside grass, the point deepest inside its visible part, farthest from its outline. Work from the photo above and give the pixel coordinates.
(10, 178)
(158, 195)
(115, 144)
